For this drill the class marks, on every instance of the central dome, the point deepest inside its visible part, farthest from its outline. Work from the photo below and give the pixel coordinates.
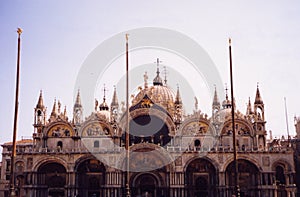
(161, 95)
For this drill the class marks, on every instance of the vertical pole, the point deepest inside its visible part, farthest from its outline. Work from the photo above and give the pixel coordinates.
(287, 121)
(235, 164)
(127, 122)
(13, 154)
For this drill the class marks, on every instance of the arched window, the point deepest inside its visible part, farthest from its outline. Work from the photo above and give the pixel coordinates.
(19, 166)
(39, 112)
(280, 178)
(96, 144)
(59, 145)
(197, 143)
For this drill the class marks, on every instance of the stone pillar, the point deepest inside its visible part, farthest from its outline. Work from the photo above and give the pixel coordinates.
(222, 178)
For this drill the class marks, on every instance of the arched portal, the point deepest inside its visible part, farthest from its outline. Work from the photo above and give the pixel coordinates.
(147, 184)
(248, 177)
(90, 178)
(201, 178)
(52, 178)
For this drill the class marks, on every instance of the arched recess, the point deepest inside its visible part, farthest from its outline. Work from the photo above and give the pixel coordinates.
(146, 157)
(149, 183)
(90, 177)
(248, 177)
(282, 170)
(201, 178)
(51, 179)
(245, 135)
(153, 125)
(60, 129)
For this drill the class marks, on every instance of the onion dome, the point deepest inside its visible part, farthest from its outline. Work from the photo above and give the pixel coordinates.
(157, 81)
(103, 106)
(226, 103)
(104, 109)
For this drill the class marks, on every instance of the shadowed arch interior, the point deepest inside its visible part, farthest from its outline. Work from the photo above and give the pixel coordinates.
(149, 128)
(201, 178)
(52, 175)
(90, 178)
(248, 176)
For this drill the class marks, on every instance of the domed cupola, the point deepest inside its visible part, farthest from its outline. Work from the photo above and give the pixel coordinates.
(226, 103)
(159, 93)
(104, 109)
(103, 106)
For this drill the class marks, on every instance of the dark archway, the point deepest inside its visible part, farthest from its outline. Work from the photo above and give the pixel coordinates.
(52, 178)
(149, 128)
(145, 185)
(90, 178)
(201, 178)
(248, 177)
(280, 181)
(149, 184)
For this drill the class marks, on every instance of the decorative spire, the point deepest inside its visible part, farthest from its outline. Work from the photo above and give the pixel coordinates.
(216, 101)
(226, 91)
(114, 101)
(78, 100)
(59, 106)
(104, 91)
(65, 112)
(258, 99)
(178, 97)
(54, 109)
(157, 80)
(249, 108)
(165, 75)
(40, 103)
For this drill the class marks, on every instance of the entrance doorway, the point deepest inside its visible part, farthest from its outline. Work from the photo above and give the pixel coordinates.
(201, 187)
(145, 185)
(56, 193)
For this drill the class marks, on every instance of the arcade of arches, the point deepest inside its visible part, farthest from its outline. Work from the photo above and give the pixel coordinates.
(201, 177)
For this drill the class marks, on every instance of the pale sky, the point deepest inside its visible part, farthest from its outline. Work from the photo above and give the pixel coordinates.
(59, 35)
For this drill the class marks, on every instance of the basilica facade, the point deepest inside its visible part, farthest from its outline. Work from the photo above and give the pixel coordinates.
(171, 153)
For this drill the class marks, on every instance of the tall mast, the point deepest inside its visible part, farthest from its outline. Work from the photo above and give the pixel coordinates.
(13, 154)
(235, 164)
(127, 122)
(286, 119)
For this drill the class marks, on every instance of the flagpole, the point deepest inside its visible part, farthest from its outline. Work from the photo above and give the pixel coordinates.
(13, 154)
(127, 122)
(287, 122)
(235, 164)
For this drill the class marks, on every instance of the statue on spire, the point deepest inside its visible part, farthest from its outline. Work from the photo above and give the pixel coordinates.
(146, 80)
